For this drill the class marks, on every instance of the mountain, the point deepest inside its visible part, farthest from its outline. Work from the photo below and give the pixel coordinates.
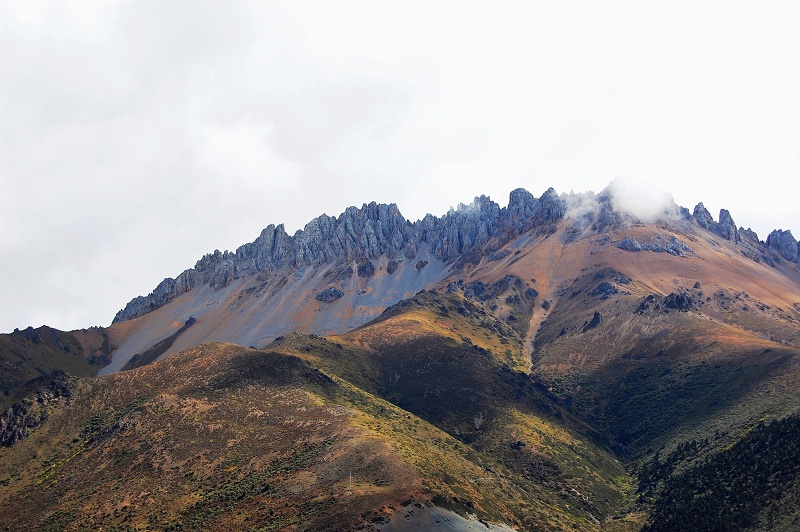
(574, 361)
(338, 273)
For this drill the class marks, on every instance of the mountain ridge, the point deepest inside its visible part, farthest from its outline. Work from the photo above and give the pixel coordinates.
(339, 273)
(375, 230)
(358, 235)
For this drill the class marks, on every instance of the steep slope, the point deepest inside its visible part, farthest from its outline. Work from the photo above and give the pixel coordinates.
(336, 274)
(645, 339)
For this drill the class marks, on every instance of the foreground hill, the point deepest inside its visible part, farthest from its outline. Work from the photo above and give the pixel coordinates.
(425, 406)
(223, 437)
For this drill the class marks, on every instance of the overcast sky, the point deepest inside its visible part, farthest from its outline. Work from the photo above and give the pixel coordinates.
(135, 136)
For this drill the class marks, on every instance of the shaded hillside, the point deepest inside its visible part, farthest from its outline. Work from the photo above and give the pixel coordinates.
(752, 484)
(152, 354)
(31, 353)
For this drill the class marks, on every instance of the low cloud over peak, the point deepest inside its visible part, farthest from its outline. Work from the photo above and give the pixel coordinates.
(642, 199)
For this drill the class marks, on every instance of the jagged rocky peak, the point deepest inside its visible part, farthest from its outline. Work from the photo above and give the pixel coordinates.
(358, 234)
(272, 249)
(462, 229)
(785, 244)
(726, 228)
(363, 234)
(703, 217)
(524, 211)
(551, 206)
(166, 291)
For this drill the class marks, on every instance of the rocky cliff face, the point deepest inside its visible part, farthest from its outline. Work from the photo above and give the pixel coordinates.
(361, 235)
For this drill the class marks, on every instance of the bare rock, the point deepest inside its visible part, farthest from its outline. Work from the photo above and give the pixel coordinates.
(596, 320)
(682, 302)
(363, 235)
(673, 246)
(629, 244)
(329, 295)
(703, 217)
(604, 290)
(785, 244)
(26, 415)
(366, 269)
(727, 228)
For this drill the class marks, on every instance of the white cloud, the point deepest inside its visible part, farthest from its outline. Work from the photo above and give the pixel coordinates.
(642, 199)
(137, 135)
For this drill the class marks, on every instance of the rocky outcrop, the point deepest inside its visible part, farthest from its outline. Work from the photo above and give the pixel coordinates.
(674, 301)
(26, 415)
(550, 208)
(596, 320)
(329, 295)
(748, 235)
(781, 242)
(464, 230)
(604, 290)
(522, 207)
(703, 217)
(366, 269)
(363, 235)
(166, 291)
(672, 246)
(30, 334)
(726, 228)
(678, 301)
(784, 243)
